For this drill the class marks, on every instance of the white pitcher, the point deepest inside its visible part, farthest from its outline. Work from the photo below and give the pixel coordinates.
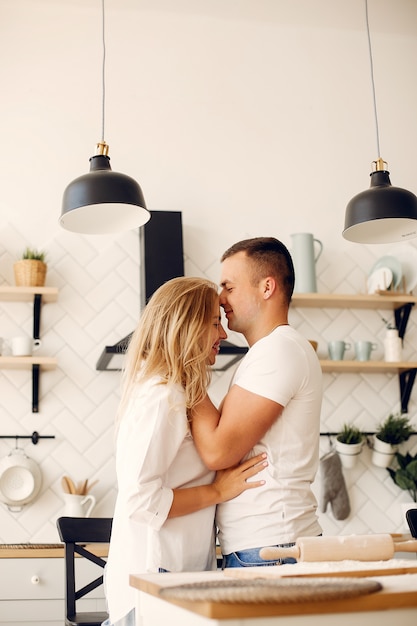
(75, 505)
(305, 259)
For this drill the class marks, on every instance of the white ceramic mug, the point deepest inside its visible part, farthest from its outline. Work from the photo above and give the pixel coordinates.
(337, 349)
(363, 350)
(24, 346)
(75, 505)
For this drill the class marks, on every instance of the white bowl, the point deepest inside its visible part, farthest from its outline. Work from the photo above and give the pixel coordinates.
(20, 479)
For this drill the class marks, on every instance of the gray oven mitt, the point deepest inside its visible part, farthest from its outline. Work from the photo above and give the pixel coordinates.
(333, 486)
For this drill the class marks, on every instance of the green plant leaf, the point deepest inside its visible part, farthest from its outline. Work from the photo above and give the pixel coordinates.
(412, 470)
(403, 480)
(405, 475)
(33, 254)
(395, 429)
(350, 434)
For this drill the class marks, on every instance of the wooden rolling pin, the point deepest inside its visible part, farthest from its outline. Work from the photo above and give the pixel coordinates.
(378, 547)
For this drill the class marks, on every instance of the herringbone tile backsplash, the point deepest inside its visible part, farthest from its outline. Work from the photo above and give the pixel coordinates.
(98, 304)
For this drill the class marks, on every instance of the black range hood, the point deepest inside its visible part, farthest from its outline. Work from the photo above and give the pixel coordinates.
(161, 258)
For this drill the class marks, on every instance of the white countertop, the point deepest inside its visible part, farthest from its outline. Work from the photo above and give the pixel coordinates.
(399, 589)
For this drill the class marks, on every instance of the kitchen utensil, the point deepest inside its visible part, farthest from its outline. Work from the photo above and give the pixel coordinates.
(88, 487)
(20, 479)
(380, 547)
(65, 485)
(305, 259)
(69, 485)
(310, 569)
(82, 487)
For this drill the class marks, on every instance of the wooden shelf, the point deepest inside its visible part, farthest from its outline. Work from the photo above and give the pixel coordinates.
(26, 362)
(364, 367)
(39, 296)
(26, 294)
(400, 303)
(354, 301)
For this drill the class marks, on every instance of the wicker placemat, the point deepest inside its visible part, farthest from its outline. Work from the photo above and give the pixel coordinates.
(29, 546)
(276, 591)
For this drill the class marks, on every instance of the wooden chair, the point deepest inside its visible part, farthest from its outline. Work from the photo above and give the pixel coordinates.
(77, 533)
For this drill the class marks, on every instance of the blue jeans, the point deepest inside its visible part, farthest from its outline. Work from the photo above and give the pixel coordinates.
(251, 558)
(127, 620)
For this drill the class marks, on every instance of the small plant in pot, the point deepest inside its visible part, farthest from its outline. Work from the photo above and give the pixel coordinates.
(30, 270)
(395, 429)
(349, 444)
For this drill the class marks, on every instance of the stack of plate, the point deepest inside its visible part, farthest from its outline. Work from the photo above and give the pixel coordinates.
(407, 256)
(385, 275)
(395, 272)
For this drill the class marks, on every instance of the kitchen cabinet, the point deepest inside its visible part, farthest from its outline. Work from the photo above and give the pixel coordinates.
(400, 304)
(32, 591)
(38, 295)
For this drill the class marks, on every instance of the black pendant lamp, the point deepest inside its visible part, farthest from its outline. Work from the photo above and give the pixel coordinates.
(382, 213)
(103, 201)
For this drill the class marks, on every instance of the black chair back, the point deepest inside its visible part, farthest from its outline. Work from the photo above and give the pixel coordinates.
(77, 533)
(411, 517)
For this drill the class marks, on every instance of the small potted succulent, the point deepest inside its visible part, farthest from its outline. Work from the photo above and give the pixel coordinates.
(395, 429)
(30, 270)
(349, 444)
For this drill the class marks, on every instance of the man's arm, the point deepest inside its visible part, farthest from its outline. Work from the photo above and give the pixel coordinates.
(245, 418)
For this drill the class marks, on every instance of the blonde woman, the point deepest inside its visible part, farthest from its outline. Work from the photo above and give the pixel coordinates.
(164, 514)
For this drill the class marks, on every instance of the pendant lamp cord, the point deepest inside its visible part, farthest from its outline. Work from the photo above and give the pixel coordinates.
(103, 73)
(372, 78)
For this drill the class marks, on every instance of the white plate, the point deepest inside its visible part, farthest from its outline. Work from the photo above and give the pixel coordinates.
(394, 265)
(407, 256)
(379, 280)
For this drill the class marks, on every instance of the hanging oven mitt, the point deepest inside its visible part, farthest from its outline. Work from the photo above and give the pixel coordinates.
(333, 486)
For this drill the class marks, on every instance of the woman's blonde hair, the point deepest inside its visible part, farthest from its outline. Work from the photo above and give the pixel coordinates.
(172, 339)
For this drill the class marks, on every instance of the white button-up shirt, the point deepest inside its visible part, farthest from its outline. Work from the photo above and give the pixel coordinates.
(155, 453)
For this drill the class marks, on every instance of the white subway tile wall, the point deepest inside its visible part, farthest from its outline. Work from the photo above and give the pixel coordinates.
(98, 304)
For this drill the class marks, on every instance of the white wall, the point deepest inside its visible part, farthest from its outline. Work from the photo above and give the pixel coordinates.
(252, 118)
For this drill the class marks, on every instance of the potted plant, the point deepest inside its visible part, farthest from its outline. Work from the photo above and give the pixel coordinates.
(395, 429)
(30, 270)
(349, 444)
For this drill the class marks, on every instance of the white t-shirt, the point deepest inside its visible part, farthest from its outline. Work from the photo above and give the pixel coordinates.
(155, 453)
(282, 367)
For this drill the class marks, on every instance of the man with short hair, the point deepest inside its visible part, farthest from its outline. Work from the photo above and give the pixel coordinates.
(273, 406)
